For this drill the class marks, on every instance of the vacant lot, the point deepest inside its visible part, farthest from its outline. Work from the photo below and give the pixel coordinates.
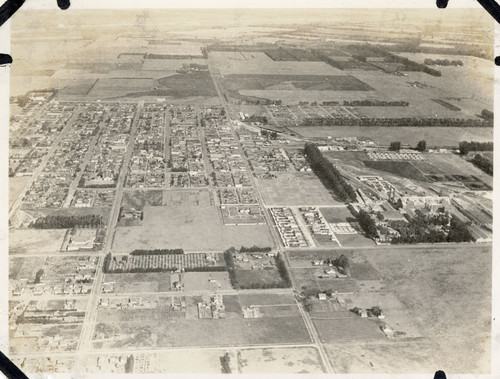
(258, 278)
(187, 198)
(192, 228)
(299, 189)
(176, 331)
(336, 214)
(399, 168)
(279, 360)
(36, 241)
(348, 328)
(266, 299)
(139, 198)
(139, 282)
(16, 185)
(435, 136)
(206, 281)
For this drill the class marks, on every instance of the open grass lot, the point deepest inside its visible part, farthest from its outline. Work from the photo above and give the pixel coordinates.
(198, 83)
(193, 228)
(36, 241)
(266, 299)
(177, 331)
(190, 198)
(347, 328)
(291, 360)
(399, 168)
(336, 214)
(299, 189)
(435, 136)
(452, 164)
(440, 286)
(305, 278)
(25, 268)
(115, 87)
(200, 281)
(139, 198)
(250, 278)
(16, 185)
(354, 240)
(139, 282)
(300, 360)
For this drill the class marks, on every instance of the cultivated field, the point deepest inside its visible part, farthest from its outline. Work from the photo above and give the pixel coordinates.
(299, 189)
(192, 228)
(115, 87)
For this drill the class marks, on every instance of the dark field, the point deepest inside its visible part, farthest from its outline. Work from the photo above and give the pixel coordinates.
(302, 82)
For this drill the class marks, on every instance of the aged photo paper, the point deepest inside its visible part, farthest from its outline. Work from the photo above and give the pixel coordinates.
(261, 189)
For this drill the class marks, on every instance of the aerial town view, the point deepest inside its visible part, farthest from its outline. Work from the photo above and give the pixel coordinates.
(251, 191)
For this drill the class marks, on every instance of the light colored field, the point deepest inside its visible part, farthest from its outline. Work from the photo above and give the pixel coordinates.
(293, 97)
(452, 164)
(255, 64)
(192, 228)
(199, 281)
(35, 241)
(435, 136)
(169, 64)
(16, 185)
(294, 190)
(291, 361)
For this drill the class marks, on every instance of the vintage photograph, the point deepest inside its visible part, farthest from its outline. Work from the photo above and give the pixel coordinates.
(249, 191)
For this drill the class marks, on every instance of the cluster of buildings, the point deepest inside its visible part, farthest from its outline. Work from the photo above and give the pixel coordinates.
(401, 155)
(185, 163)
(288, 228)
(224, 153)
(51, 186)
(243, 195)
(317, 224)
(33, 131)
(147, 164)
(105, 164)
(212, 307)
(93, 198)
(296, 114)
(264, 158)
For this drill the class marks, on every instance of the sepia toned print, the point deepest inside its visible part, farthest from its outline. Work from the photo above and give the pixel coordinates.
(251, 191)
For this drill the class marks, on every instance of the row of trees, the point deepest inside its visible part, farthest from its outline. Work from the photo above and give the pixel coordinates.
(422, 229)
(255, 249)
(255, 118)
(397, 121)
(66, 222)
(367, 224)
(376, 103)
(443, 62)
(466, 147)
(483, 163)
(329, 175)
(285, 276)
(158, 252)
